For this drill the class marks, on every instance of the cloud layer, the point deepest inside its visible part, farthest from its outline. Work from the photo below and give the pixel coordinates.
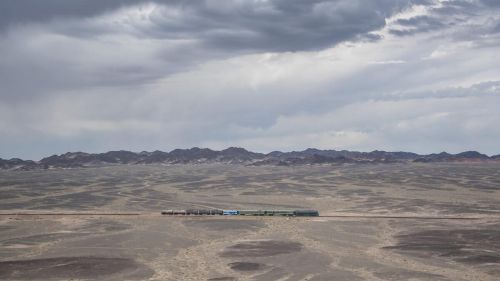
(266, 75)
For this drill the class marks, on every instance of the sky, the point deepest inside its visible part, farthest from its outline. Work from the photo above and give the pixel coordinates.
(395, 75)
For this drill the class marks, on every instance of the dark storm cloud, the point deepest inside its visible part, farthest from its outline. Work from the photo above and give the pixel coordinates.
(279, 25)
(187, 33)
(283, 25)
(491, 3)
(14, 12)
(496, 29)
(370, 37)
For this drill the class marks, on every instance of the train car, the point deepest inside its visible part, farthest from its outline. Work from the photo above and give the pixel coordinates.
(251, 212)
(216, 212)
(167, 212)
(282, 213)
(285, 213)
(201, 212)
(230, 212)
(305, 213)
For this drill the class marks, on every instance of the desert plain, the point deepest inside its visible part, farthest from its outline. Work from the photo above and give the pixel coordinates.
(402, 221)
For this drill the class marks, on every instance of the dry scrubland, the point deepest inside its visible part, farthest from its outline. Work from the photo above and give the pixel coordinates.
(149, 246)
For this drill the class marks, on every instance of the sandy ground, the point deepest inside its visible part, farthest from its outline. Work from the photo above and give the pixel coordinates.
(149, 246)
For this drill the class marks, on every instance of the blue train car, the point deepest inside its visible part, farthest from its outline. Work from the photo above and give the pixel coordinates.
(230, 212)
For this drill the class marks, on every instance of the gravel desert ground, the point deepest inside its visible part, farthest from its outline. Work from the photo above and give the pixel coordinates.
(378, 222)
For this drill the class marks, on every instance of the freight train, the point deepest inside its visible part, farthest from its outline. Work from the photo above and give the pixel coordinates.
(213, 212)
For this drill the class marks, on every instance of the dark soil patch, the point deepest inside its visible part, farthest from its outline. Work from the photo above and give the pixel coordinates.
(478, 259)
(402, 274)
(66, 268)
(38, 239)
(246, 266)
(472, 246)
(261, 248)
(6, 228)
(104, 226)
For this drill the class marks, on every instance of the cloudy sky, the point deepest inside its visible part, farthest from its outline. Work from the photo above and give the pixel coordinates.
(412, 75)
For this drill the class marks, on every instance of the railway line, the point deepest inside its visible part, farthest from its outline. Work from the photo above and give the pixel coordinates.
(340, 216)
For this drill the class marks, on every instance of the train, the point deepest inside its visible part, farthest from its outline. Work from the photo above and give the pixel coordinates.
(214, 212)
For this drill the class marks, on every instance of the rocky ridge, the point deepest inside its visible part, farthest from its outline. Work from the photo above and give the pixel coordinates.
(236, 155)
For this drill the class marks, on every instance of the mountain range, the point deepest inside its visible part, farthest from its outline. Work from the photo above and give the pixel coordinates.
(236, 155)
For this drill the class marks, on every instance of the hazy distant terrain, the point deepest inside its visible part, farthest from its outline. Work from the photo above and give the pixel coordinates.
(238, 155)
(150, 246)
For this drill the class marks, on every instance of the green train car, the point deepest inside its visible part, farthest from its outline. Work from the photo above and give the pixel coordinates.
(306, 213)
(251, 213)
(283, 213)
